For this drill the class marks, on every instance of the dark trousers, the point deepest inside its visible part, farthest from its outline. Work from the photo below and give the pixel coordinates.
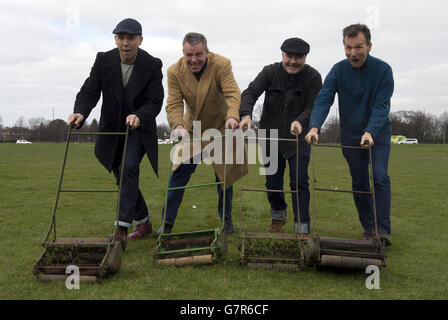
(180, 178)
(276, 182)
(132, 203)
(358, 162)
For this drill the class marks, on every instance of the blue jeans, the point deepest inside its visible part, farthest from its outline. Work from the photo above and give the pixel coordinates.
(180, 178)
(277, 201)
(358, 162)
(132, 203)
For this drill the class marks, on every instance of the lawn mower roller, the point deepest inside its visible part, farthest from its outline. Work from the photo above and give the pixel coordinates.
(95, 257)
(267, 250)
(345, 253)
(195, 247)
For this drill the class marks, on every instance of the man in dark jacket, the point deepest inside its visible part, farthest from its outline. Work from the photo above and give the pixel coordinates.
(131, 83)
(290, 88)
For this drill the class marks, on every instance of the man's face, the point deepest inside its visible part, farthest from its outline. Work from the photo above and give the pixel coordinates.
(293, 63)
(127, 45)
(195, 56)
(357, 49)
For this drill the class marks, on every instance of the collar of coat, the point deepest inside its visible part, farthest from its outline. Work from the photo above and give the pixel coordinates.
(139, 76)
(200, 88)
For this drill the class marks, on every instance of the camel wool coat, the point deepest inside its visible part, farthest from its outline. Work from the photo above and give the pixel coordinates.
(211, 100)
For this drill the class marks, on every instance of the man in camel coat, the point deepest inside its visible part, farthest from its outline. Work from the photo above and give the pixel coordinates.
(204, 82)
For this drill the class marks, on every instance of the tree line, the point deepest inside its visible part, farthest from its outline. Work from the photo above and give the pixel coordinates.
(42, 130)
(427, 128)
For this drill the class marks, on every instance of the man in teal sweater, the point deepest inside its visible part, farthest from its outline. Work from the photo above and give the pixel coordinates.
(364, 85)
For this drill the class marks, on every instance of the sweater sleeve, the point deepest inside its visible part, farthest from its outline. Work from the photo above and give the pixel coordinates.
(324, 100)
(381, 103)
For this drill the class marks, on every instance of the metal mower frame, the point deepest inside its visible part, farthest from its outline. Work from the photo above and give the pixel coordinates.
(338, 252)
(195, 247)
(109, 250)
(295, 263)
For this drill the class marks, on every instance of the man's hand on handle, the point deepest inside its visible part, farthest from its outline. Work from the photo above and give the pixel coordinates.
(231, 123)
(76, 118)
(179, 131)
(133, 121)
(312, 136)
(366, 140)
(245, 123)
(296, 128)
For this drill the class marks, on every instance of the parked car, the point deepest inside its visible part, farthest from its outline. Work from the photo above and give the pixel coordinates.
(23, 142)
(165, 141)
(408, 141)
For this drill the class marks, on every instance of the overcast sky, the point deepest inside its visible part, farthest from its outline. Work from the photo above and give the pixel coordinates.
(48, 47)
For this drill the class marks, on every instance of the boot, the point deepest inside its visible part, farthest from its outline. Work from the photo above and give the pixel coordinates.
(276, 225)
(228, 226)
(121, 235)
(168, 228)
(141, 230)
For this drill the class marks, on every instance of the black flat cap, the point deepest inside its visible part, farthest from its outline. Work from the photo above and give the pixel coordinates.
(295, 45)
(129, 26)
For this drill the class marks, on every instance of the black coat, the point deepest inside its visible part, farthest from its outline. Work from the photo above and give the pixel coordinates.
(144, 98)
(287, 98)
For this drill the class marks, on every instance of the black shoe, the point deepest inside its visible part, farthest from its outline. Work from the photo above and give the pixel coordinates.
(385, 239)
(228, 226)
(168, 228)
(369, 235)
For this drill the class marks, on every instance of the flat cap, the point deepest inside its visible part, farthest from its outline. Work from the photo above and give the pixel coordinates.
(295, 45)
(129, 26)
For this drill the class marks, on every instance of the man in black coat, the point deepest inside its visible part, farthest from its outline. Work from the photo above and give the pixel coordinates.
(290, 88)
(130, 80)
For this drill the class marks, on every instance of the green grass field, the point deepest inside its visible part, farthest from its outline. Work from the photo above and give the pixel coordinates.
(416, 264)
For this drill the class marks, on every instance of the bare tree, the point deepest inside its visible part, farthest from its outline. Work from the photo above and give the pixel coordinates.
(330, 131)
(20, 123)
(163, 131)
(256, 115)
(414, 124)
(93, 125)
(443, 122)
(1, 122)
(34, 123)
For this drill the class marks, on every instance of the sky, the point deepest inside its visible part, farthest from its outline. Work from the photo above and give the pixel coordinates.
(48, 47)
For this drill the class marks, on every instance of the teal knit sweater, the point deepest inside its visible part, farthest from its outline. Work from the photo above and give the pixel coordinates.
(364, 99)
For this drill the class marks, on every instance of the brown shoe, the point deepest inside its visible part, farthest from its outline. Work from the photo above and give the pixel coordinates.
(276, 225)
(141, 230)
(121, 236)
(303, 236)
